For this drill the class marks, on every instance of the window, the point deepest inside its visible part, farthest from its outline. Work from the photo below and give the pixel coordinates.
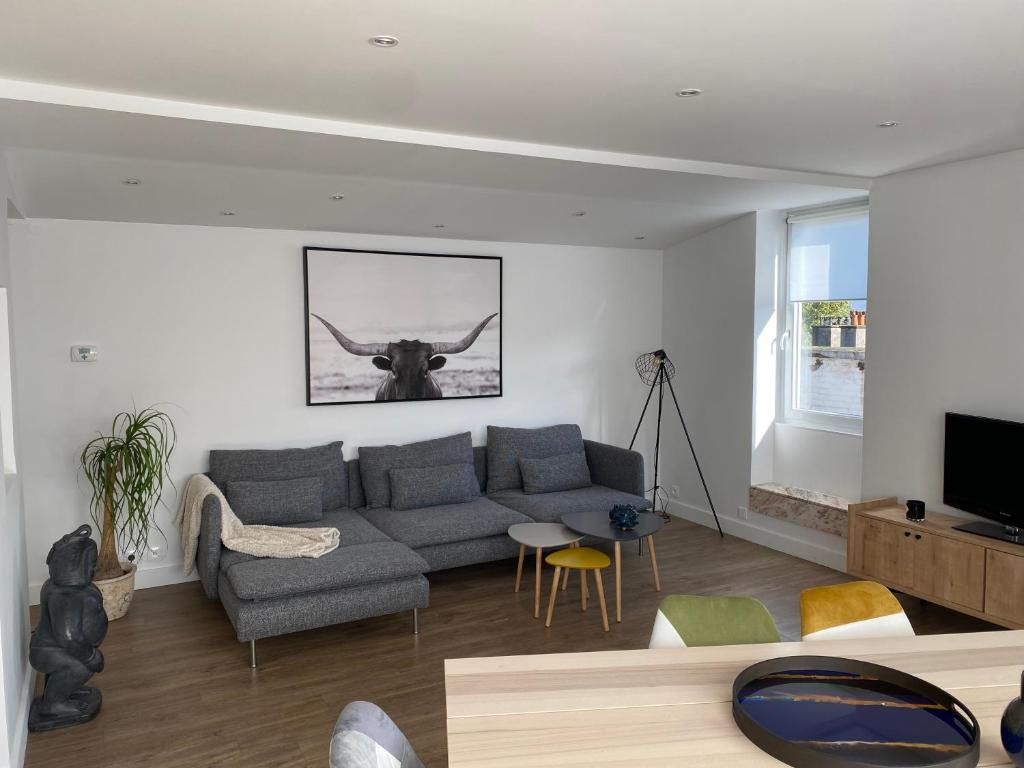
(826, 288)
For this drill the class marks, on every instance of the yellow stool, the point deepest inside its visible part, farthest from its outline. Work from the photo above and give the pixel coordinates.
(580, 559)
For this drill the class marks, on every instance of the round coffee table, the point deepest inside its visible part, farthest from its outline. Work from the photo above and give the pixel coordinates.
(538, 537)
(597, 524)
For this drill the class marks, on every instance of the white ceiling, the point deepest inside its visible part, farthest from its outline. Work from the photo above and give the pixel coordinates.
(795, 84)
(497, 119)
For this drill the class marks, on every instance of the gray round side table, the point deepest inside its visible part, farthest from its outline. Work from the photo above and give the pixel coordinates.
(538, 537)
(596, 523)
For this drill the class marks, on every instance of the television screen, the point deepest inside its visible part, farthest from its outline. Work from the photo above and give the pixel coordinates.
(983, 467)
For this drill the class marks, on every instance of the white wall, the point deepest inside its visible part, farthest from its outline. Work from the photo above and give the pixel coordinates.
(710, 331)
(211, 321)
(946, 286)
(15, 675)
(817, 459)
(770, 237)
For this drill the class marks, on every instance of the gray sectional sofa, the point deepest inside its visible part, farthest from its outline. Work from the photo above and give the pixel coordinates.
(386, 550)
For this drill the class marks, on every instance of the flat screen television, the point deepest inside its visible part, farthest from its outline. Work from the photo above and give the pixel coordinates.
(982, 474)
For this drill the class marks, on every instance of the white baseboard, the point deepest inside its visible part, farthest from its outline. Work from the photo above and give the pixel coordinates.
(20, 740)
(831, 557)
(154, 576)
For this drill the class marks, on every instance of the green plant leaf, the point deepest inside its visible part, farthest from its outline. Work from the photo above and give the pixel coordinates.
(129, 468)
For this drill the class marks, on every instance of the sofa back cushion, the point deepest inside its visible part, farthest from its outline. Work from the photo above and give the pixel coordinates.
(356, 497)
(480, 464)
(507, 445)
(323, 461)
(418, 487)
(563, 472)
(376, 462)
(276, 502)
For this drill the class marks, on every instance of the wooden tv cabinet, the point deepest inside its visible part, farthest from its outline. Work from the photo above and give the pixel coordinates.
(973, 574)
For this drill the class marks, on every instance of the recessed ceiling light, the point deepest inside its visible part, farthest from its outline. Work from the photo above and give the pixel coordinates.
(439, 226)
(687, 93)
(640, 237)
(227, 213)
(131, 181)
(888, 124)
(579, 213)
(384, 41)
(337, 197)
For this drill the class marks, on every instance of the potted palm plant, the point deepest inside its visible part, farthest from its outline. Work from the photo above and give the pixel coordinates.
(126, 470)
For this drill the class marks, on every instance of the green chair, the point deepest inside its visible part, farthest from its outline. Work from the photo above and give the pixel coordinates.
(689, 621)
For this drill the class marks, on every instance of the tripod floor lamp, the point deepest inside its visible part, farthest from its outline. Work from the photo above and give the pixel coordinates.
(656, 369)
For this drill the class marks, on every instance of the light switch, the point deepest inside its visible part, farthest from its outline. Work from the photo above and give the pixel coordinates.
(81, 353)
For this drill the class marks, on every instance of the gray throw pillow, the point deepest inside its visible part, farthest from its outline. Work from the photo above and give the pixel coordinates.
(418, 487)
(507, 445)
(555, 473)
(276, 502)
(323, 461)
(375, 462)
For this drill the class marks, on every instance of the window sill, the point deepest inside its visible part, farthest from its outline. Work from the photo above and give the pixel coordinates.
(855, 429)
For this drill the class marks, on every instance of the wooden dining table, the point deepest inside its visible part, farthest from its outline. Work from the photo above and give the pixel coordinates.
(673, 707)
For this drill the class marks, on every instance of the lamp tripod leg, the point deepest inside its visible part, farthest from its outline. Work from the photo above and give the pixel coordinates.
(642, 414)
(660, 380)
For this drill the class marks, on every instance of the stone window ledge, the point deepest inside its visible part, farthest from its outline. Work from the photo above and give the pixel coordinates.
(810, 509)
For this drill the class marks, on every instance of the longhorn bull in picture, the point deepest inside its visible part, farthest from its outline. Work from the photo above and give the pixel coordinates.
(407, 365)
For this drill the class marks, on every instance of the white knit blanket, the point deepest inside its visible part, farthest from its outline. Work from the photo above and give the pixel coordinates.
(258, 540)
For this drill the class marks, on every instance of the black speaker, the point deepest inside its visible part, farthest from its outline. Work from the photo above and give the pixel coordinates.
(915, 509)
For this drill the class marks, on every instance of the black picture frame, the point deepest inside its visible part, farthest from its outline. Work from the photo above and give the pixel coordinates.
(306, 316)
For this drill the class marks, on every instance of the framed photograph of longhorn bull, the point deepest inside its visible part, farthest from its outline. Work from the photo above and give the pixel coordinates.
(383, 326)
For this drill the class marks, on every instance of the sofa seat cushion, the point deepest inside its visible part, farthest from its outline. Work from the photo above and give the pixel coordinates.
(445, 524)
(266, 578)
(549, 507)
(352, 526)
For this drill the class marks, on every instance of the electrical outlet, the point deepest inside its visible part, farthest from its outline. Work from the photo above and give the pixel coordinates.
(674, 491)
(741, 513)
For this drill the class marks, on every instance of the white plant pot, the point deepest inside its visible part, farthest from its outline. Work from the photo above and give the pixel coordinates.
(117, 592)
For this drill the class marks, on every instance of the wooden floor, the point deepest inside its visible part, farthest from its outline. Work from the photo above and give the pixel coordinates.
(178, 692)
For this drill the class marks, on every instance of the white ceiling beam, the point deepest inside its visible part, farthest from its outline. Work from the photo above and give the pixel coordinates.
(44, 93)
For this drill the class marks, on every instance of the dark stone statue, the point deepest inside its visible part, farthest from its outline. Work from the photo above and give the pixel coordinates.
(65, 644)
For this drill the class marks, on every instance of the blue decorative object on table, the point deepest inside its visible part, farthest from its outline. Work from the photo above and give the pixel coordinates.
(818, 712)
(1011, 729)
(624, 517)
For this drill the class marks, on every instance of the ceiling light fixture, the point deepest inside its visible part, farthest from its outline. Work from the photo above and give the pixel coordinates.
(131, 181)
(688, 93)
(337, 197)
(579, 213)
(384, 41)
(227, 213)
(888, 124)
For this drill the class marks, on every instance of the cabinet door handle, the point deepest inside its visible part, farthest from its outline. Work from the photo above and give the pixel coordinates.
(917, 535)
(907, 533)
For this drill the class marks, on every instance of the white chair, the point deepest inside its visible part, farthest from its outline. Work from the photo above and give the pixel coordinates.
(854, 610)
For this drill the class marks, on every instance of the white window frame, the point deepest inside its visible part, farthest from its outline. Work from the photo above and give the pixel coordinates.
(789, 326)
